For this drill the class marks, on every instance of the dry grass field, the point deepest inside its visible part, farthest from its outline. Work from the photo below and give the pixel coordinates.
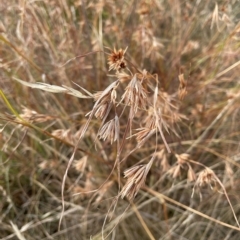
(119, 119)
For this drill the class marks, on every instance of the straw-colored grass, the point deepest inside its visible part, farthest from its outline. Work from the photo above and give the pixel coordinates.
(119, 120)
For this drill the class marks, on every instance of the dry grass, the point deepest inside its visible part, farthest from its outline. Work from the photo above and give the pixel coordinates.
(134, 122)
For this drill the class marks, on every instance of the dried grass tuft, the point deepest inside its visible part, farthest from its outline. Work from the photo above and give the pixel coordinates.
(128, 139)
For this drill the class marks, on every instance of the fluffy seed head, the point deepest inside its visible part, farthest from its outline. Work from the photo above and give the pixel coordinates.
(116, 60)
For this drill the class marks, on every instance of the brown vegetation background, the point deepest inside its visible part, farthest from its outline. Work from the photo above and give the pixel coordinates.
(180, 181)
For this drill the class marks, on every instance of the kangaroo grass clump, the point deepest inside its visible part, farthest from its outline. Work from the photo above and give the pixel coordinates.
(119, 120)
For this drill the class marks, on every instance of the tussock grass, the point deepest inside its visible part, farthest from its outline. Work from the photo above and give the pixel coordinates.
(119, 120)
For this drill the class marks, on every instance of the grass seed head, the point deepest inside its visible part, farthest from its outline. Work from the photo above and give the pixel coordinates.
(136, 177)
(110, 130)
(116, 60)
(135, 96)
(206, 177)
(33, 116)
